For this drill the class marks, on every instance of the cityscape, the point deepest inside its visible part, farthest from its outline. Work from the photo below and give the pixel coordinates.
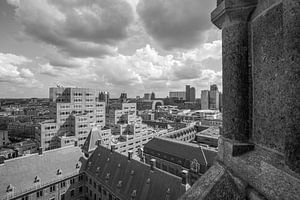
(149, 100)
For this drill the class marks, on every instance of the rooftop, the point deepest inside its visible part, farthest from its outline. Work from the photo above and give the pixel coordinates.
(127, 177)
(21, 171)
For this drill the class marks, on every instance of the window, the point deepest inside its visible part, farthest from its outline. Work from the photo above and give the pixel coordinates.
(52, 188)
(63, 184)
(90, 181)
(62, 197)
(72, 193)
(94, 185)
(99, 188)
(80, 189)
(25, 198)
(39, 193)
(52, 198)
(72, 181)
(91, 193)
(80, 177)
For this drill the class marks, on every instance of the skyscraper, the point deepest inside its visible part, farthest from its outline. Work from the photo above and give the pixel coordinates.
(204, 100)
(187, 93)
(214, 97)
(152, 96)
(192, 94)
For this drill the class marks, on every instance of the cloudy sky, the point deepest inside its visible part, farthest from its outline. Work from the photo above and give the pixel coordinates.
(133, 46)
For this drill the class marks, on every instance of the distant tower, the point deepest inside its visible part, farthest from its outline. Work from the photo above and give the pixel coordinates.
(123, 97)
(192, 94)
(188, 93)
(214, 97)
(147, 96)
(152, 96)
(204, 100)
(104, 97)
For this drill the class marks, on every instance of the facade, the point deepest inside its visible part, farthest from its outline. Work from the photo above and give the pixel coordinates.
(204, 99)
(147, 96)
(214, 98)
(192, 94)
(21, 130)
(178, 95)
(174, 156)
(4, 138)
(188, 93)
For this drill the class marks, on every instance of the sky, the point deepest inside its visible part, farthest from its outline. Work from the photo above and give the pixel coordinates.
(133, 46)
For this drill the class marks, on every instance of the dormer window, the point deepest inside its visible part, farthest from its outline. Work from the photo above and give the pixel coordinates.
(77, 166)
(133, 194)
(9, 188)
(58, 172)
(37, 179)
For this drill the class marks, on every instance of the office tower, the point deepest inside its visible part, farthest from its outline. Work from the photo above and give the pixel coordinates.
(187, 93)
(220, 101)
(192, 94)
(123, 97)
(147, 96)
(104, 97)
(152, 96)
(213, 87)
(204, 100)
(180, 95)
(214, 97)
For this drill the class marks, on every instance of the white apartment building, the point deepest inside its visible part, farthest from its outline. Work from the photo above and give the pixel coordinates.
(75, 111)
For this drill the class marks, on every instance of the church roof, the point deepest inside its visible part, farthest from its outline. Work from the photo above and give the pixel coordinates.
(180, 149)
(126, 177)
(22, 173)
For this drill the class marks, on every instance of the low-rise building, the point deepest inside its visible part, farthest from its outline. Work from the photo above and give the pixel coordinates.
(4, 138)
(174, 156)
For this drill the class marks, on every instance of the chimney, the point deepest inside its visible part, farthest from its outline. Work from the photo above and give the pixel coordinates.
(75, 143)
(112, 148)
(40, 151)
(2, 159)
(130, 155)
(152, 164)
(184, 176)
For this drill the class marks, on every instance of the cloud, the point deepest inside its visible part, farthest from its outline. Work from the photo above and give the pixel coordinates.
(176, 24)
(14, 71)
(76, 28)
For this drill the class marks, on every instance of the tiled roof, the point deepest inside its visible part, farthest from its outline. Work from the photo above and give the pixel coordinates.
(21, 172)
(90, 143)
(180, 149)
(126, 178)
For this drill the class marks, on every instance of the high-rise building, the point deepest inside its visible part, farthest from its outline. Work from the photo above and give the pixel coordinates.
(180, 95)
(204, 99)
(187, 93)
(220, 101)
(213, 87)
(123, 97)
(74, 112)
(214, 97)
(192, 94)
(152, 96)
(147, 96)
(104, 97)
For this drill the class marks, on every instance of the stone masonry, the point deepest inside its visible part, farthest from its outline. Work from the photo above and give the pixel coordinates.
(259, 147)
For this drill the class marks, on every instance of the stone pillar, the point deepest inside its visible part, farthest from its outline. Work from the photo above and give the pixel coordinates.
(291, 26)
(233, 20)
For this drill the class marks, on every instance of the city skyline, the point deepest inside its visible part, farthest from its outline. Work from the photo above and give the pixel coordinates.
(51, 42)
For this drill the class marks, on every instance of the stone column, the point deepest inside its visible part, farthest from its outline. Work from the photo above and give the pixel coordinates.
(232, 18)
(291, 27)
